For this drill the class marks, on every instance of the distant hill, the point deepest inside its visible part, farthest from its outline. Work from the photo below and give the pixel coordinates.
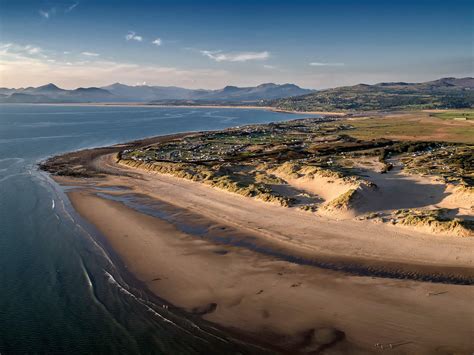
(442, 93)
(117, 92)
(145, 93)
(261, 92)
(50, 93)
(228, 94)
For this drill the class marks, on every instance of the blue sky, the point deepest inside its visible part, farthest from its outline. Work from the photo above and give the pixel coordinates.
(210, 44)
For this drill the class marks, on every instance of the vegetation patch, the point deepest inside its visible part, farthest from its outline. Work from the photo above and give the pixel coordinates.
(343, 202)
(437, 220)
(461, 115)
(452, 163)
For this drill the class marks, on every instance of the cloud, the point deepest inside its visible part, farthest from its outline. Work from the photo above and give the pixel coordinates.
(72, 7)
(266, 66)
(320, 64)
(47, 13)
(132, 36)
(220, 56)
(157, 42)
(90, 54)
(32, 49)
(19, 68)
(13, 49)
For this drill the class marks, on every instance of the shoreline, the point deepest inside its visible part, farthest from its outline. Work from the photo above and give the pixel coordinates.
(268, 298)
(144, 295)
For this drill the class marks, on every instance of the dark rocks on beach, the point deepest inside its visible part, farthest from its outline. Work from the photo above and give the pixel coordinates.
(327, 336)
(205, 309)
(322, 338)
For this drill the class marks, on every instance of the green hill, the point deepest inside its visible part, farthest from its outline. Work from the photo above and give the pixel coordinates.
(442, 93)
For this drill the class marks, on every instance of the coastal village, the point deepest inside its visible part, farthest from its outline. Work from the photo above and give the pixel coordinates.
(322, 142)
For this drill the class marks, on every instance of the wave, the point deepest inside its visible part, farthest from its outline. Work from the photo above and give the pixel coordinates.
(28, 139)
(86, 276)
(48, 124)
(15, 161)
(64, 210)
(12, 175)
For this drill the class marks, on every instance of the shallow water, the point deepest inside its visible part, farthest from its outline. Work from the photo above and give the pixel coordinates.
(60, 291)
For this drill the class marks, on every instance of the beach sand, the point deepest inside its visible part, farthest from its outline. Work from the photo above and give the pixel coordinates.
(291, 306)
(280, 302)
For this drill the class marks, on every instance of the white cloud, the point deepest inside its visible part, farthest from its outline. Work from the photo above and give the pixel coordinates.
(157, 42)
(4, 47)
(20, 49)
(32, 50)
(133, 36)
(90, 54)
(266, 66)
(72, 7)
(220, 56)
(321, 64)
(47, 13)
(19, 68)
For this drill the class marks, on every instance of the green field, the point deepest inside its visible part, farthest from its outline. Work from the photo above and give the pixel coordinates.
(455, 115)
(414, 126)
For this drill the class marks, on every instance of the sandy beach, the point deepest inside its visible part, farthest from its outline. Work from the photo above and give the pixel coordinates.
(293, 306)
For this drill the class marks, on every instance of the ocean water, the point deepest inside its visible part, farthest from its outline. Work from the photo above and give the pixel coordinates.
(61, 291)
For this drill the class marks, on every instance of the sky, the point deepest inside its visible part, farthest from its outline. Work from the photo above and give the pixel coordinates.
(211, 44)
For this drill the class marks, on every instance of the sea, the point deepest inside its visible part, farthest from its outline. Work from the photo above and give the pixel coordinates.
(62, 291)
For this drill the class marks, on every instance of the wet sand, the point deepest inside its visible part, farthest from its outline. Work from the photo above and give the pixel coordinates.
(280, 302)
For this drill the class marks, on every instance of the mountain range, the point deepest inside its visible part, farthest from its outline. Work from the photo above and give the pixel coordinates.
(441, 93)
(117, 92)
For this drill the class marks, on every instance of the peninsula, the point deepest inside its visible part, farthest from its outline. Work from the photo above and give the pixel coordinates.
(335, 233)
